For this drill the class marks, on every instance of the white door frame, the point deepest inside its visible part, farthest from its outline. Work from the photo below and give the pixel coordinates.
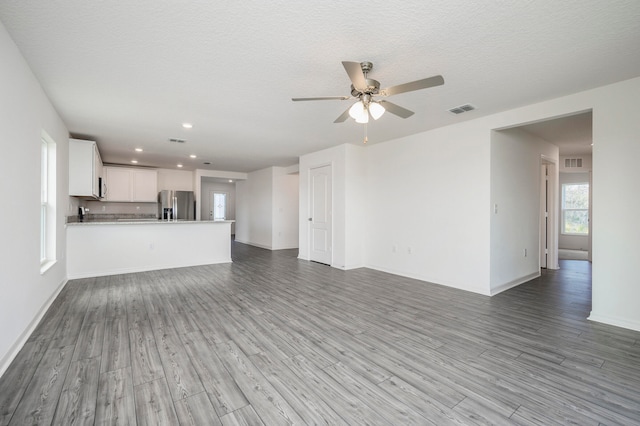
(551, 165)
(311, 220)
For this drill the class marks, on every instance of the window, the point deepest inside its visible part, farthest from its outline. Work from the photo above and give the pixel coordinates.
(575, 208)
(47, 202)
(44, 161)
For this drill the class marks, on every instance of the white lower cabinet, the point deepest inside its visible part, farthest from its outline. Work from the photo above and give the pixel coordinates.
(127, 184)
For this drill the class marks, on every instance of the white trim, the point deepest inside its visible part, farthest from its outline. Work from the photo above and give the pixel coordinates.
(263, 246)
(46, 265)
(615, 321)
(118, 271)
(481, 291)
(514, 283)
(13, 351)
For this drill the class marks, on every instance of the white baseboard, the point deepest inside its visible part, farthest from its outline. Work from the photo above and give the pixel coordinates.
(514, 283)
(615, 321)
(348, 267)
(425, 279)
(6, 360)
(264, 246)
(134, 270)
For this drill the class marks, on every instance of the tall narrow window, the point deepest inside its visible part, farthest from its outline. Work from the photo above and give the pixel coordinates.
(44, 179)
(575, 208)
(219, 206)
(47, 202)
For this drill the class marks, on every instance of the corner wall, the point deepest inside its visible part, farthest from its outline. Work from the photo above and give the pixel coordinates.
(25, 111)
(267, 208)
(515, 191)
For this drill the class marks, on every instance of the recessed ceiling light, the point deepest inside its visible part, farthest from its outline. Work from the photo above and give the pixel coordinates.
(193, 156)
(187, 125)
(179, 165)
(134, 161)
(138, 149)
(230, 180)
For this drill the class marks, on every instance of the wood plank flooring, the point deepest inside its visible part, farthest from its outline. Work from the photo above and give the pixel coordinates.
(274, 340)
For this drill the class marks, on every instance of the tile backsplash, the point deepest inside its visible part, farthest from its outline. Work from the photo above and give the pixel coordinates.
(108, 208)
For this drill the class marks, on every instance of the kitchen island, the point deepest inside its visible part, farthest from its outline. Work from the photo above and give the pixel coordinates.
(98, 248)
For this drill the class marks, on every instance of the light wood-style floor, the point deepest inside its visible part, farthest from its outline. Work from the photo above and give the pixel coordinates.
(273, 340)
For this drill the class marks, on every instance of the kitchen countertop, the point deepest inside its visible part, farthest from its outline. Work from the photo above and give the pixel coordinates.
(144, 222)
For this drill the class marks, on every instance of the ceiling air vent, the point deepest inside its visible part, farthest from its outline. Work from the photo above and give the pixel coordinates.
(572, 162)
(462, 108)
(176, 140)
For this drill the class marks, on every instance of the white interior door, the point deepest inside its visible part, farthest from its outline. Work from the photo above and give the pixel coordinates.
(320, 219)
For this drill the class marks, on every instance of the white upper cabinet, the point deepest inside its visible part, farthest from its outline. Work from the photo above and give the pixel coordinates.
(126, 184)
(145, 185)
(85, 169)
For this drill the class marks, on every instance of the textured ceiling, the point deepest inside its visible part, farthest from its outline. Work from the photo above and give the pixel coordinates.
(128, 73)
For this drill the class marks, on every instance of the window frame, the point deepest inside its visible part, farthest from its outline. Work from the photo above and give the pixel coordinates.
(564, 210)
(48, 243)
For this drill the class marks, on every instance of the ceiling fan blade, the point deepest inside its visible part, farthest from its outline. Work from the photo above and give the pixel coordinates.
(395, 109)
(322, 98)
(425, 83)
(354, 69)
(343, 116)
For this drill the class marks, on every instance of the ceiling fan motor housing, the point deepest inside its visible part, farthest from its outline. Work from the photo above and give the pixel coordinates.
(373, 88)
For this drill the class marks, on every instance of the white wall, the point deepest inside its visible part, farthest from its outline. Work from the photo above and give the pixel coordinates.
(515, 190)
(615, 225)
(348, 167)
(266, 208)
(176, 180)
(439, 181)
(25, 112)
(573, 242)
(427, 209)
(285, 210)
(256, 203)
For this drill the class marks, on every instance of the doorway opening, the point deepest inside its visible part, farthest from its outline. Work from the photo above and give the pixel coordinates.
(218, 210)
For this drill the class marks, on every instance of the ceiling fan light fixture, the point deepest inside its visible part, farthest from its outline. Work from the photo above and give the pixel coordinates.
(364, 119)
(359, 112)
(376, 110)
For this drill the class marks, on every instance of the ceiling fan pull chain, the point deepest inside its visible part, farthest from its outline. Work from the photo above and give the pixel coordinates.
(365, 133)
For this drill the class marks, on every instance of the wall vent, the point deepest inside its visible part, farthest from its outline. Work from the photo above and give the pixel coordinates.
(572, 162)
(462, 108)
(176, 140)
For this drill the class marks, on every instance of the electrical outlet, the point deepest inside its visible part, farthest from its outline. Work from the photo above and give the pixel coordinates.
(409, 250)
(394, 248)
(104, 208)
(152, 246)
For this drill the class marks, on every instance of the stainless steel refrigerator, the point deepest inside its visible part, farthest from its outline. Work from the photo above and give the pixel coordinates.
(176, 205)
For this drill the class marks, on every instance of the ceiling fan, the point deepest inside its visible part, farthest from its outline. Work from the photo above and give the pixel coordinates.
(365, 90)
